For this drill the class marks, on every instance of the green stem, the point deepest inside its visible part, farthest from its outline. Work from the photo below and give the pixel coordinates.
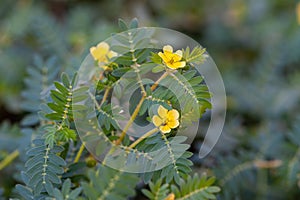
(148, 134)
(131, 120)
(79, 153)
(137, 109)
(9, 159)
(154, 86)
(105, 96)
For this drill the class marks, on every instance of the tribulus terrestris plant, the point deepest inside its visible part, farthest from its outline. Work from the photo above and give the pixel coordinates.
(118, 125)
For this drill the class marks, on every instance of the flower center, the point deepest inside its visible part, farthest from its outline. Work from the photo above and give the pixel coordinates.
(171, 61)
(165, 121)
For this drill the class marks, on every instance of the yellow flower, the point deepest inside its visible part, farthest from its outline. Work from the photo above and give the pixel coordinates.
(166, 119)
(170, 197)
(172, 60)
(101, 52)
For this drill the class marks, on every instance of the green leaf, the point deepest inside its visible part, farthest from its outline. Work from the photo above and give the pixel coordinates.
(122, 25)
(56, 107)
(172, 154)
(61, 88)
(197, 55)
(74, 80)
(155, 58)
(65, 79)
(53, 116)
(43, 168)
(158, 68)
(106, 183)
(58, 97)
(121, 71)
(25, 192)
(75, 193)
(30, 119)
(196, 187)
(158, 191)
(40, 77)
(134, 23)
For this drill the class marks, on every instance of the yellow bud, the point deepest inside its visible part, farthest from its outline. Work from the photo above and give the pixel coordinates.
(90, 161)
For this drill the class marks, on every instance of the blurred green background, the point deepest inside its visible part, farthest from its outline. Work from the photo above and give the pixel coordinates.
(255, 44)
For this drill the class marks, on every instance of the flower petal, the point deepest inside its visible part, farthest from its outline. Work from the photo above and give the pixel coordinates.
(99, 52)
(111, 54)
(162, 112)
(173, 115)
(168, 48)
(169, 55)
(176, 57)
(165, 129)
(164, 57)
(177, 65)
(179, 53)
(173, 123)
(157, 121)
(104, 47)
(171, 66)
(92, 51)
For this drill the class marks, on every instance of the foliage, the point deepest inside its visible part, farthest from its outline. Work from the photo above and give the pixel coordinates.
(254, 43)
(54, 167)
(191, 188)
(179, 167)
(40, 77)
(62, 108)
(276, 161)
(107, 183)
(66, 192)
(42, 169)
(196, 188)
(157, 190)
